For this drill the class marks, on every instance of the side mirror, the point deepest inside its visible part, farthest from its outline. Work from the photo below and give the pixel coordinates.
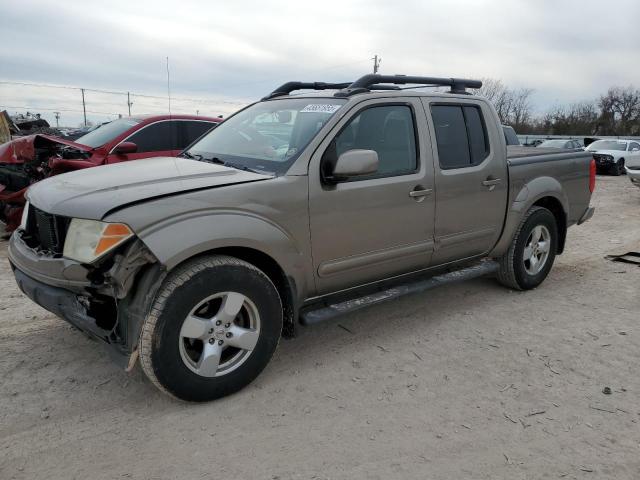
(125, 147)
(635, 149)
(355, 163)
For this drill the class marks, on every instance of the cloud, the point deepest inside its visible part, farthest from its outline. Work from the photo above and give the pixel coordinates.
(238, 51)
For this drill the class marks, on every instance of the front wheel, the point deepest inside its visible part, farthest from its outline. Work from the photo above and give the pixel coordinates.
(214, 326)
(618, 168)
(532, 252)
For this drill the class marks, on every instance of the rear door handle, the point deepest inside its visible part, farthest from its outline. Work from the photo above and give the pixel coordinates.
(420, 193)
(491, 182)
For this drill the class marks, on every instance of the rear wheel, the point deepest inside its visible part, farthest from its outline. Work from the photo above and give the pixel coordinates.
(532, 253)
(212, 329)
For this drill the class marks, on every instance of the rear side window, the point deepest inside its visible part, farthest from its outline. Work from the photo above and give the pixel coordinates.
(191, 131)
(157, 137)
(461, 135)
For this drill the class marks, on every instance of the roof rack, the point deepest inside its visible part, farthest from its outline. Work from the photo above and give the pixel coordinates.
(377, 82)
(287, 88)
(365, 83)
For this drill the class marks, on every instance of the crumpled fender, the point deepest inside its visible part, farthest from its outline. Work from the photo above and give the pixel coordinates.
(23, 149)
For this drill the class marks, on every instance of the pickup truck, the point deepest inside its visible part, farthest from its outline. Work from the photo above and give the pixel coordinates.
(294, 210)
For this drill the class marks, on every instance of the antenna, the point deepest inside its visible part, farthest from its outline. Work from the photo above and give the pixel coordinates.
(168, 88)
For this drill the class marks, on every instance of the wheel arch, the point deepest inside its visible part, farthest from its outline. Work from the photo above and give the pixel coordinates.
(554, 206)
(542, 191)
(286, 285)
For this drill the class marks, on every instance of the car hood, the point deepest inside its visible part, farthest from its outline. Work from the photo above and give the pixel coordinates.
(94, 192)
(613, 153)
(22, 149)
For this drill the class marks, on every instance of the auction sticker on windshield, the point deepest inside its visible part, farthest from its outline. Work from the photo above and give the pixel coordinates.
(320, 108)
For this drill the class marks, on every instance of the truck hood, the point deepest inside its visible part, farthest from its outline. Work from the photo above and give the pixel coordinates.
(23, 149)
(94, 192)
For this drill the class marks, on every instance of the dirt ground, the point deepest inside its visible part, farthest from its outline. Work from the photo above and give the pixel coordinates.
(466, 381)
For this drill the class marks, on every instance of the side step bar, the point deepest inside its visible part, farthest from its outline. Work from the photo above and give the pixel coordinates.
(335, 310)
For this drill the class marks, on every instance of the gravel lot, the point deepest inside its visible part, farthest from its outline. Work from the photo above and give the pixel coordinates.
(466, 381)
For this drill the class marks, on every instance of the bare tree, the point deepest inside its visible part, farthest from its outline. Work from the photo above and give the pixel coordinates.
(513, 106)
(620, 111)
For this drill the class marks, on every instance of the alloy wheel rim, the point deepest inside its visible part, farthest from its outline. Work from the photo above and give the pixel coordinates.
(219, 334)
(536, 250)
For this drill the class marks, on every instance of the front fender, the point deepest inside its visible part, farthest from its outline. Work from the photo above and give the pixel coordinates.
(521, 201)
(178, 239)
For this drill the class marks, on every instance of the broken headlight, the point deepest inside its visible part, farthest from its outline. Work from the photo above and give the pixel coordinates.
(88, 240)
(25, 216)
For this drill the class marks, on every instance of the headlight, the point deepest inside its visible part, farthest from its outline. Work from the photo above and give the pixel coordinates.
(25, 216)
(88, 240)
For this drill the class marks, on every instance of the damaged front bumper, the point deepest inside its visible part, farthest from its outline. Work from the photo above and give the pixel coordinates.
(108, 302)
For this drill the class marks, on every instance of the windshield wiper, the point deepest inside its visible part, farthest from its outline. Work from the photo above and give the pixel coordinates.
(193, 156)
(237, 166)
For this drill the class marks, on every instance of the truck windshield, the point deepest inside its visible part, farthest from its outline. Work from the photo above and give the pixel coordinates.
(607, 145)
(107, 132)
(267, 136)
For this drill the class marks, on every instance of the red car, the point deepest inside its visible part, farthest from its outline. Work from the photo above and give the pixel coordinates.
(29, 159)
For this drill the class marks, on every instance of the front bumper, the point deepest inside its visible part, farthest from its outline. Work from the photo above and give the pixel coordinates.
(66, 304)
(46, 268)
(101, 303)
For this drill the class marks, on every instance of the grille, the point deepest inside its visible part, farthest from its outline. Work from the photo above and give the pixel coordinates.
(46, 231)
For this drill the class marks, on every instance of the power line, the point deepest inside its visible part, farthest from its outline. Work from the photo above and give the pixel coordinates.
(112, 92)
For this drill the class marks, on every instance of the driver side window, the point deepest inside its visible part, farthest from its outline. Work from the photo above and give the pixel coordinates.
(388, 130)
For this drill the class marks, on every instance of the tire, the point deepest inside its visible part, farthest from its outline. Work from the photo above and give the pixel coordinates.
(515, 270)
(203, 309)
(618, 168)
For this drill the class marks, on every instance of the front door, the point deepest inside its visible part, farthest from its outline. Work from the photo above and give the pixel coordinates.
(471, 179)
(373, 227)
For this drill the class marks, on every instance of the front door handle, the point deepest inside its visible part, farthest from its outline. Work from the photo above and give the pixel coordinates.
(490, 182)
(420, 193)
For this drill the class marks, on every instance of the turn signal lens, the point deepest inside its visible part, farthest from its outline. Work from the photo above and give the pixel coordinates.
(88, 240)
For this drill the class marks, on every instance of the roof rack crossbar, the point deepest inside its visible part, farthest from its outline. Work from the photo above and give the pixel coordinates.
(365, 83)
(287, 88)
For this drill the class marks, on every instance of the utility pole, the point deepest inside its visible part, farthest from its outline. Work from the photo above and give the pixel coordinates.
(84, 109)
(57, 115)
(376, 63)
(129, 103)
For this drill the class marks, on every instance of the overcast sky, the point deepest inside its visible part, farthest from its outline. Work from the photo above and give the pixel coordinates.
(224, 54)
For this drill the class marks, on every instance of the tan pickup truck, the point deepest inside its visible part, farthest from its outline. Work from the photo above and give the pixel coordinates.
(294, 210)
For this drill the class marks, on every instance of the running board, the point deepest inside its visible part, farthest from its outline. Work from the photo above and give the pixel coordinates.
(335, 310)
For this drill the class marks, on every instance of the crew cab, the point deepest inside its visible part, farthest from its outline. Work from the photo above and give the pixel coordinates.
(26, 160)
(295, 210)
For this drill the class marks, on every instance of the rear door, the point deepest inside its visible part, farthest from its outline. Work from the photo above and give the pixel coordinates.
(471, 178)
(158, 139)
(373, 227)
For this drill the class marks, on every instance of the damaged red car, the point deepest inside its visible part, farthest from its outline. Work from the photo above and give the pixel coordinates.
(29, 159)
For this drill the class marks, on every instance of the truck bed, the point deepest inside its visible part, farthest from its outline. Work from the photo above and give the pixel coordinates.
(517, 155)
(518, 151)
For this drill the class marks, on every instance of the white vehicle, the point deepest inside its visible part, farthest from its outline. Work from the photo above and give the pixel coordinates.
(613, 155)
